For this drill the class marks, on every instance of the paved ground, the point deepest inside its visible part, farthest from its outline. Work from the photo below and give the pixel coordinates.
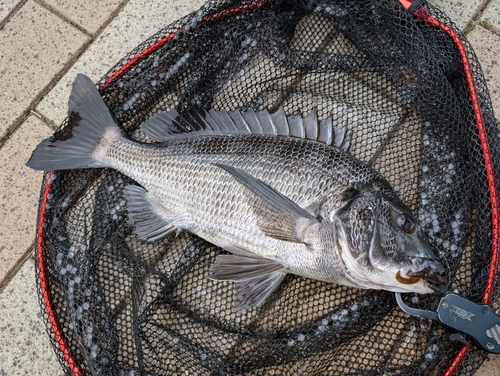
(44, 44)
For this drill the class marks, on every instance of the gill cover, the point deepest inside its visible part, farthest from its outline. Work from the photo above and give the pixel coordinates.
(384, 246)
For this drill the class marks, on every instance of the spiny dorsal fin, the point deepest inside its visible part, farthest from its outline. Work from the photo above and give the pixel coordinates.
(166, 126)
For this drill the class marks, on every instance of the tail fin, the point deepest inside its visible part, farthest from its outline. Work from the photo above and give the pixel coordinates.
(74, 146)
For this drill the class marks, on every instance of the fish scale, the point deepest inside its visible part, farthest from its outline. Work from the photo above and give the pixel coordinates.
(188, 170)
(186, 192)
(278, 204)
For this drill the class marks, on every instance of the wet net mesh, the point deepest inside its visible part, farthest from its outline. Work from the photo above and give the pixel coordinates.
(116, 305)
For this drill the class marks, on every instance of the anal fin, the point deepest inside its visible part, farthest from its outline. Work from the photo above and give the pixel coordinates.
(253, 292)
(257, 277)
(145, 216)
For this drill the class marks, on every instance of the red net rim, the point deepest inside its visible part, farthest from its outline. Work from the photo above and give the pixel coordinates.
(422, 15)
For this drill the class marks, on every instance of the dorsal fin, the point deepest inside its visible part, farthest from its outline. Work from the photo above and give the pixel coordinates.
(166, 126)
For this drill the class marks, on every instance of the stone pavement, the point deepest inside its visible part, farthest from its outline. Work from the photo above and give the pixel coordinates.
(45, 43)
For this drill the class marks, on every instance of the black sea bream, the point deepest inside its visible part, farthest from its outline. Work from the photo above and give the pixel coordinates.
(279, 203)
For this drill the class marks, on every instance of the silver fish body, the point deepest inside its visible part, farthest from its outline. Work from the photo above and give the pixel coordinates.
(278, 204)
(195, 194)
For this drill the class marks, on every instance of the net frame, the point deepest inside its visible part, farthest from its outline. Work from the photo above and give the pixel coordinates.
(420, 13)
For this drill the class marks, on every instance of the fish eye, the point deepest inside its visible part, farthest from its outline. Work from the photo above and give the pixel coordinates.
(406, 223)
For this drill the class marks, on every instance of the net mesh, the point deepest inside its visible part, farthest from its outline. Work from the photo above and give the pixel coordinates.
(116, 305)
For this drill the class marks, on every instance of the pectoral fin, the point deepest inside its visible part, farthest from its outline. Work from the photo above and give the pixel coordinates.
(257, 277)
(277, 216)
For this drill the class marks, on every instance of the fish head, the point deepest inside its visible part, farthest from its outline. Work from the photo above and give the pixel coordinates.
(383, 245)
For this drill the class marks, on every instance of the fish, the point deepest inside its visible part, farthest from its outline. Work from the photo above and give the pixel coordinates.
(281, 194)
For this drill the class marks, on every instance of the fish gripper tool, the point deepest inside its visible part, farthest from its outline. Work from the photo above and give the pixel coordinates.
(477, 321)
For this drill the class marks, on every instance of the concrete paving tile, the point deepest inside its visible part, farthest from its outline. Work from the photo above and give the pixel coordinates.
(6, 6)
(25, 347)
(138, 20)
(459, 11)
(36, 44)
(487, 48)
(20, 192)
(492, 14)
(89, 14)
(490, 367)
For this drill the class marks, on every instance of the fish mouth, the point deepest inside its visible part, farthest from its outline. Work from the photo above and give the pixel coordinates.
(429, 274)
